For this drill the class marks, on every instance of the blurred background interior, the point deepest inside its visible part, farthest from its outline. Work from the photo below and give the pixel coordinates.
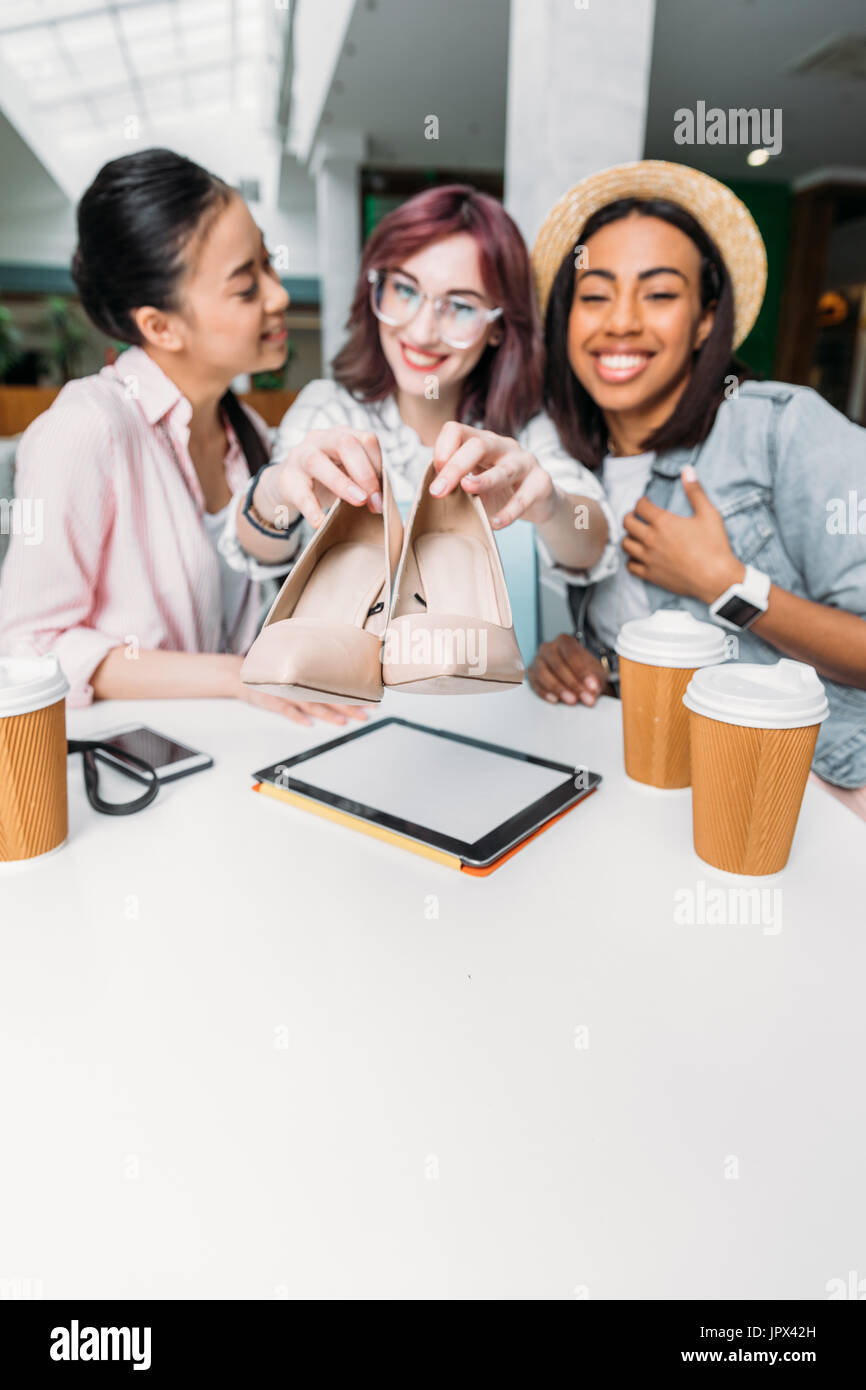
(326, 114)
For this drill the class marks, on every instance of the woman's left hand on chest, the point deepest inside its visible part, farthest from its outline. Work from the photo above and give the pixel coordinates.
(509, 480)
(688, 555)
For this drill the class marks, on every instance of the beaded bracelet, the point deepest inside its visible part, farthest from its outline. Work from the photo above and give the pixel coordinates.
(277, 533)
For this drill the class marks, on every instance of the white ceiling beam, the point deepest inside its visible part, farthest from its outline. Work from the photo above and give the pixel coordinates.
(319, 34)
(37, 131)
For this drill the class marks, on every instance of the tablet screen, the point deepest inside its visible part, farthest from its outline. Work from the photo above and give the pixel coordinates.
(456, 789)
(469, 798)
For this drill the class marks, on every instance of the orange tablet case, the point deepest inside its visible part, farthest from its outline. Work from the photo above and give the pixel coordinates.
(451, 861)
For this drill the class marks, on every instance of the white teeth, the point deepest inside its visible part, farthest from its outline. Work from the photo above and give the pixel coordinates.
(619, 362)
(422, 359)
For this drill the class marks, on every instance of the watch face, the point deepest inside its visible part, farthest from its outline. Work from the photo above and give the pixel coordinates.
(739, 611)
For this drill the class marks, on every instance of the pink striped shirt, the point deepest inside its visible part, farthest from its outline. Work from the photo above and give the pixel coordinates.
(120, 555)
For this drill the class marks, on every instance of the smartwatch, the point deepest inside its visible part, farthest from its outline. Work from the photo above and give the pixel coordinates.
(743, 602)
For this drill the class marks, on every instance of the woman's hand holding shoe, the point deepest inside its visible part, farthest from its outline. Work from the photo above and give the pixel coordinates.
(326, 464)
(509, 480)
(513, 485)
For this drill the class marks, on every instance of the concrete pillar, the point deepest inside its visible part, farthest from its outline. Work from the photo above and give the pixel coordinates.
(334, 165)
(578, 75)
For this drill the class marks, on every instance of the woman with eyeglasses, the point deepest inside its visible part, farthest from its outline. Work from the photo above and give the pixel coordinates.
(443, 360)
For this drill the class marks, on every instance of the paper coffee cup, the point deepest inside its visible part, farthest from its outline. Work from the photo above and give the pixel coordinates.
(753, 733)
(33, 809)
(658, 656)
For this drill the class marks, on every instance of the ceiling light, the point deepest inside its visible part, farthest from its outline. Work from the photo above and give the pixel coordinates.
(757, 157)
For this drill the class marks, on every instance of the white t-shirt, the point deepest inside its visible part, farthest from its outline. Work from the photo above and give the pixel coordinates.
(234, 583)
(621, 596)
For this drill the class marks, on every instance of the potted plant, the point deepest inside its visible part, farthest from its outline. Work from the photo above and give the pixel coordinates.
(276, 380)
(10, 341)
(68, 336)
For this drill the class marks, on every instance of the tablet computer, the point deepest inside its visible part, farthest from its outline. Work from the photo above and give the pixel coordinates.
(467, 798)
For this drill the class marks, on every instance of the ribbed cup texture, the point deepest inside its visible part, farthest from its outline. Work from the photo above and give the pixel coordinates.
(747, 787)
(655, 723)
(33, 809)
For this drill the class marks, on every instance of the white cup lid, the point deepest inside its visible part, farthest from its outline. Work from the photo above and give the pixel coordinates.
(671, 637)
(787, 695)
(30, 682)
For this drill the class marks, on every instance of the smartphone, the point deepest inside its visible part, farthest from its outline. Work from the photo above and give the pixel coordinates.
(167, 757)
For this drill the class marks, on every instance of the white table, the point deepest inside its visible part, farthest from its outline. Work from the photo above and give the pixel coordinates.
(242, 1059)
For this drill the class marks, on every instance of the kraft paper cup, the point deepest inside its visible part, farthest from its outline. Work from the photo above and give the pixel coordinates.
(753, 733)
(657, 658)
(33, 809)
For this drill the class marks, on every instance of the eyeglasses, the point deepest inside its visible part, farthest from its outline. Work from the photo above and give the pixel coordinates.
(395, 299)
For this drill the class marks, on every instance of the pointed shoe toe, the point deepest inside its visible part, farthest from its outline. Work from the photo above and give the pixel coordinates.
(451, 630)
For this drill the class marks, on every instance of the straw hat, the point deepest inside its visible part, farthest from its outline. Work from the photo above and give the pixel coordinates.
(720, 212)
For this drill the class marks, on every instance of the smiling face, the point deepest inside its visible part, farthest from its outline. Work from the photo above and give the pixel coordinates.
(232, 306)
(414, 352)
(636, 317)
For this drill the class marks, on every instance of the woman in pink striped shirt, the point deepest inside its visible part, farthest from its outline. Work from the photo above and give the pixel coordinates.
(136, 472)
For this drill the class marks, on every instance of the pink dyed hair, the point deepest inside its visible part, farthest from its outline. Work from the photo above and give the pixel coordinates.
(504, 389)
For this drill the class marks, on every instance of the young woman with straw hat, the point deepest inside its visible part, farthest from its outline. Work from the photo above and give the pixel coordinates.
(724, 488)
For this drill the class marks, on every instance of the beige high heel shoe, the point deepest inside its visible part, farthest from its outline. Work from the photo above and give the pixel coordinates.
(322, 639)
(451, 629)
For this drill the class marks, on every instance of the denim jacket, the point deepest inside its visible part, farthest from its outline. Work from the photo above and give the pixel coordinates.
(788, 474)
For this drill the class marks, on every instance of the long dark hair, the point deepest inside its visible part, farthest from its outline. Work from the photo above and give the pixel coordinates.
(134, 222)
(503, 390)
(578, 418)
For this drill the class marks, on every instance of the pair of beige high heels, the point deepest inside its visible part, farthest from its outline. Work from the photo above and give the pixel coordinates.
(334, 631)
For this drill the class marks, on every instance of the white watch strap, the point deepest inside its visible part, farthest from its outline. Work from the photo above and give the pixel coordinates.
(755, 587)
